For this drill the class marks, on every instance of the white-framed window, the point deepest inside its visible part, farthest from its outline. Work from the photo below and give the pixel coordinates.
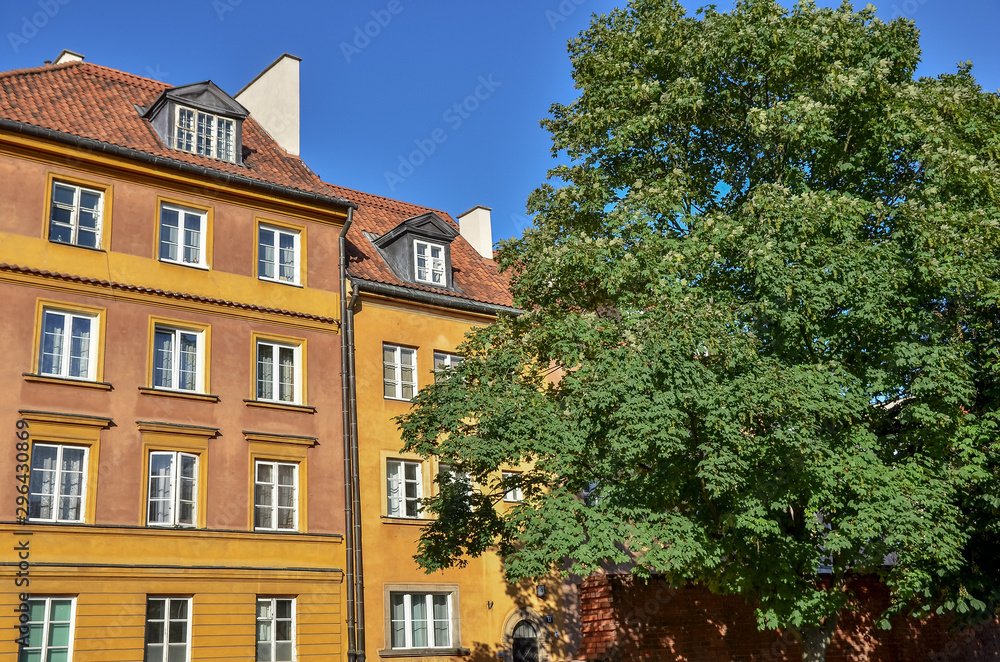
(275, 629)
(68, 345)
(204, 133)
(278, 251)
(168, 629)
(50, 630)
(420, 620)
(429, 263)
(399, 366)
(279, 372)
(173, 483)
(275, 496)
(58, 483)
(404, 488)
(178, 359)
(75, 215)
(183, 235)
(455, 476)
(443, 362)
(512, 488)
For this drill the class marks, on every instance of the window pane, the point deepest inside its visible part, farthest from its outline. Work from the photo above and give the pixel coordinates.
(419, 620)
(265, 253)
(265, 371)
(59, 634)
(79, 356)
(283, 652)
(177, 653)
(192, 238)
(163, 360)
(286, 375)
(53, 338)
(169, 234)
(188, 366)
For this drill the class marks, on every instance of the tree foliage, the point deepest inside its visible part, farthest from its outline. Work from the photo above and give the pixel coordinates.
(760, 341)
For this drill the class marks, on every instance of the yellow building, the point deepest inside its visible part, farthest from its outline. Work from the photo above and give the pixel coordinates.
(170, 285)
(418, 282)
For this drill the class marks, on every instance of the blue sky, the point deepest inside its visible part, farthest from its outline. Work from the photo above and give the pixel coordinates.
(368, 101)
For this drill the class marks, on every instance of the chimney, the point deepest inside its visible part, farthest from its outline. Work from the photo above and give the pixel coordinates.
(67, 56)
(273, 101)
(475, 226)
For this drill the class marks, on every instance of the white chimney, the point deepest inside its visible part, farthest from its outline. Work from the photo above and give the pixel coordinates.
(273, 100)
(475, 226)
(67, 56)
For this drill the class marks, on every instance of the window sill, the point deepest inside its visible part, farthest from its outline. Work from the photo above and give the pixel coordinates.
(266, 404)
(66, 381)
(203, 267)
(406, 521)
(279, 282)
(203, 397)
(69, 243)
(424, 652)
(385, 397)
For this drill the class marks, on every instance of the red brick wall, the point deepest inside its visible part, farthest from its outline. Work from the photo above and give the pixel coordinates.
(623, 618)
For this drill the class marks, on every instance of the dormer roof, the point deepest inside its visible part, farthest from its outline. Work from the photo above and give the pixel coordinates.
(426, 226)
(205, 95)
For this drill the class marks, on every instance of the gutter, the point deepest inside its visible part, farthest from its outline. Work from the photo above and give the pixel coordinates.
(349, 478)
(359, 565)
(433, 298)
(92, 145)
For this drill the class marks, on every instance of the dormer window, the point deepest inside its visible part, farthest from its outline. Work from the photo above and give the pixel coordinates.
(429, 262)
(206, 134)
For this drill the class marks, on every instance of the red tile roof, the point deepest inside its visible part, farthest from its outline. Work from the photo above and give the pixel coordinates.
(477, 278)
(89, 101)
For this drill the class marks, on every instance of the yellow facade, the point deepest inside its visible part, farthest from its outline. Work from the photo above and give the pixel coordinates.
(485, 608)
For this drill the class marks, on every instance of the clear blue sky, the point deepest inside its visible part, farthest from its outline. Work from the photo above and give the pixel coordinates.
(363, 107)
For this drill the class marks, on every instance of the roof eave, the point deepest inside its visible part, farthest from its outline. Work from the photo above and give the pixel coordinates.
(161, 161)
(432, 298)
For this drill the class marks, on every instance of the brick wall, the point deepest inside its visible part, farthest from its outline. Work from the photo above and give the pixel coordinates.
(623, 618)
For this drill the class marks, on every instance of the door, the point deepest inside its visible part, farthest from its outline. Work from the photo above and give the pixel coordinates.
(525, 642)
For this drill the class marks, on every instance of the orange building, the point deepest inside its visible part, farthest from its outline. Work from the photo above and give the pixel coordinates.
(170, 284)
(419, 281)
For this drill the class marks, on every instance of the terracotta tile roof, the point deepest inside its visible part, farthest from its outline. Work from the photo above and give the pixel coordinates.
(477, 278)
(90, 101)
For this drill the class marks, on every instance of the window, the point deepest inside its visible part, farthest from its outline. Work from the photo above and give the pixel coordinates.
(178, 359)
(50, 630)
(275, 496)
(182, 235)
(420, 620)
(205, 134)
(278, 251)
(512, 486)
(172, 484)
(57, 483)
(455, 476)
(168, 629)
(279, 372)
(75, 215)
(275, 629)
(444, 362)
(399, 372)
(68, 345)
(403, 488)
(429, 262)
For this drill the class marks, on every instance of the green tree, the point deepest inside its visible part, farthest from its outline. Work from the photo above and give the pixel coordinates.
(760, 342)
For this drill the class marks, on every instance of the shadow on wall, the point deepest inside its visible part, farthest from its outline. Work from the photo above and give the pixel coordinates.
(626, 618)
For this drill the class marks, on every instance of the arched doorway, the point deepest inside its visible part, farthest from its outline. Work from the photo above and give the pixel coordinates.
(524, 642)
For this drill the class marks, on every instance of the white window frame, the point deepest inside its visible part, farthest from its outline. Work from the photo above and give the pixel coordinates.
(74, 209)
(434, 265)
(514, 494)
(396, 501)
(167, 620)
(274, 485)
(275, 381)
(181, 246)
(66, 348)
(396, 384)
(177, 334)
(203, 136)
(445, 361)
(174, 498)
(275, 262)
(428, 599)
(272, 621)
(47, 624)
(58, 495)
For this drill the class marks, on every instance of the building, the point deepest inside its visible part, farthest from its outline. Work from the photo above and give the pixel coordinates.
(170, 282)
(418, 281)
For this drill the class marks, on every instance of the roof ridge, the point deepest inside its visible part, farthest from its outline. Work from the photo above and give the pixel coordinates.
(40, 69)
(101, 70)
(384, 202)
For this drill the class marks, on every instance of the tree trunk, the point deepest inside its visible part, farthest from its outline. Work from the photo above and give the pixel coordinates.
(815, 639)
